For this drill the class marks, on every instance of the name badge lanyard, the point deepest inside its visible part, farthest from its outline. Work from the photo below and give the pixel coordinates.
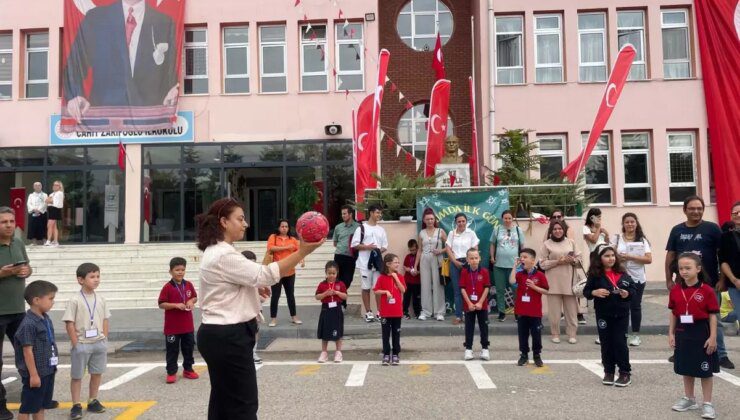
(182, 292)
(474, 282)
(51, 337)
(90, 311)
(689, 299)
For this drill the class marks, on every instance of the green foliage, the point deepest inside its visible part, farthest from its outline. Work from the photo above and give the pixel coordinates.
(303, 196)
(517, 157)
(397, 195)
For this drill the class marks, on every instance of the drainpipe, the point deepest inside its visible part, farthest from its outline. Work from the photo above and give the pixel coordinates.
(491, 83)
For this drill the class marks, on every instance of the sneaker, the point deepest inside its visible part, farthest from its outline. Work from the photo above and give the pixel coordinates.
(395, 360)
(369, 317)
(581, 319)
(608, 379)
(338, 357)
(635, 340)
(485, 355)
(190, 374)
(707, 411)
(685, 404)
(55, 244)
(523, 360)
(672, 359)
(377, 316)
(501, 317)
(440, 317)
(623, 380)
(597, 341)
(171, 379)
(572, 340)
(323, 357)
(386, 360)
(468, 354)
(53, 404)
(407, 316)
(555, 340)
(76, 412)
(94, 406)
(48, 243)
(456, 321)
(726, 363)
(422, 317)
(538, 361)
(256, 357)
(5, 414)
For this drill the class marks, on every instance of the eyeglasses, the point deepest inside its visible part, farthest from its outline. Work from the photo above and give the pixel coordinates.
(557, 216)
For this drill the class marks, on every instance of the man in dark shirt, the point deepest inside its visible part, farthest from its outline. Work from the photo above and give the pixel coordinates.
(729, 257)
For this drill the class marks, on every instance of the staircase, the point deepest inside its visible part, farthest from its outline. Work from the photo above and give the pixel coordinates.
(131, 276)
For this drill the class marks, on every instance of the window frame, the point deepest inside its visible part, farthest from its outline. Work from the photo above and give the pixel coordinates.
(609, 175)
(27, 67)
(685, 25)
(9, 52)
(521, 50)
(643, 50)
(192, 46)
(681, 149)
(310, 42)
(601, 32)
(418, 117)
(648, 164)
(339, 43)
(235, 45)
(553, 153)
(559, 33)
(272, 44)
(435, 14)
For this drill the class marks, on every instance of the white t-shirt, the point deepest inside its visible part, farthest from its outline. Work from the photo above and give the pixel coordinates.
(460, 243)
(601, 240)
(635, 269)
(373, 235)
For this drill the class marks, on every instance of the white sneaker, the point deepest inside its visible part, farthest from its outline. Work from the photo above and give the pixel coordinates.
(423, 317)
(440, 317)
(635, 340)
(707, 411)
(369, 317)
(257, 359)
(485, 354)
(55, 244)
(47, 243)
(468, 354)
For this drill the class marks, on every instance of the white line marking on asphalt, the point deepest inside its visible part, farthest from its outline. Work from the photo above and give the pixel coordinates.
(132, 374)
(594, 367)
(357, 374)
(728, 377)
(258, 367)
(479, 375)
(9, 379)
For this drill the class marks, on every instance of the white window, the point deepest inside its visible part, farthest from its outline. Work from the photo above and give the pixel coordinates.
(236, 56)
(548, 48)
(196, 61)
(636, 156)
(419, 22)
(412, 130)
(631, 30)
(350, 62)
(37, 65)
(6, 66)
(682, 172)
(676, 49)
(509, 60)
(592, 47)
(552, 155)
(273, 58)
(314, 77)
(598, 170)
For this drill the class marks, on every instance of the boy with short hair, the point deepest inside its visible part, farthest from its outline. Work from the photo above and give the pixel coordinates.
(475, 286)
(531, 285)
(412, 296)
(86, 319)
(260, 318)
(36, 355)
(178, 298)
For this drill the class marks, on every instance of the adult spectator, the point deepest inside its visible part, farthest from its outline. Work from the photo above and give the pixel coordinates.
(634, 251)
(55, 203)
(281, 244)
(14, 268)
(593, 233)
(729, 258)
(558, 216)
(701, 237)
(370, 242)
(559, 259)
(36, 206)
(459, 241)
(428, 260)
(505, 242)
(231, 286)
(343, 255)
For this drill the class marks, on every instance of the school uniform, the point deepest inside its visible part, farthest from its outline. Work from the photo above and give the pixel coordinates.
(412, 295)
(475, 283)
(391, 313)
(528, 308)
(692, 306)
(178, 325)
(331, 320)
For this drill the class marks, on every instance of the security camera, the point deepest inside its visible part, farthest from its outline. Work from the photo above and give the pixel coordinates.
(333, 129)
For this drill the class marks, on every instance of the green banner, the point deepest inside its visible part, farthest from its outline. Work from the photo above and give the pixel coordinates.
(483, 209)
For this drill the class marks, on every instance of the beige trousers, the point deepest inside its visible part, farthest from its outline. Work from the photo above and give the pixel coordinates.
(568, 305)
(432, 292)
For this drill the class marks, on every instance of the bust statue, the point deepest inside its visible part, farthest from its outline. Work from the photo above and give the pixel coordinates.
(452, 144)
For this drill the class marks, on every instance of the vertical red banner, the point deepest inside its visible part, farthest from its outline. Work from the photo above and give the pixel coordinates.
(18, 204)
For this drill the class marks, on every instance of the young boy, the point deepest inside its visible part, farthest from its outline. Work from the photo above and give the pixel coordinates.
(531, 285)
(178, 298)
(412, 297)
(36, 355)
(260, 318)
(474, 287)
(86, 320)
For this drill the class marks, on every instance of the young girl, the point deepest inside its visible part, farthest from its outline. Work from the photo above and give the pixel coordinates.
(611, 289)
(390, 287)
(693, 333)
(331, 293)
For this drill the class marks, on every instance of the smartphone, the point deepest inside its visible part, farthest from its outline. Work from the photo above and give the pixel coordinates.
(616, 291)
(19, 263)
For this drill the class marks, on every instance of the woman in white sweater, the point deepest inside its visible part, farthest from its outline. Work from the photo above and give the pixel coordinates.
(55, 202)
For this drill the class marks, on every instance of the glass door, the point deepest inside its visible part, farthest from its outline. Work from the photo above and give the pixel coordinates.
(259, 190)
(73, 210)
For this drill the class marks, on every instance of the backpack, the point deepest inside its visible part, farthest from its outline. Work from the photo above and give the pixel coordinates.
(355, 253)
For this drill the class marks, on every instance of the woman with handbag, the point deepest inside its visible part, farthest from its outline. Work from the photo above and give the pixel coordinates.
(428, 264)
(506, 242)
(280, 245)
(559, 259)
(461, 239)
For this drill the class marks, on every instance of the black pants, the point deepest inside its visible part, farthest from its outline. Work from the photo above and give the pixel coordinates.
(346, 271)
(470, 318)
(614, 350)
(8, 326)
(227, 350)
(529, 325)
(636, 307)
(412, 297)
(391, 328)
(289, 284)
(175, 343)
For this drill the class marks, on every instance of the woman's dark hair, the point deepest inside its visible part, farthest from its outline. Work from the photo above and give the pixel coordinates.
(428, 211)
(552, 227)
(209, 230)
(597, 267)
(280, 222)
(386, 260)
(697, 259)
(505, 212)
(460, 215)
(331, 264)
(593, 211)
(639, 235)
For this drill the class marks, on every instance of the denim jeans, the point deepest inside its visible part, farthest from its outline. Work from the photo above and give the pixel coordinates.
(455, 274)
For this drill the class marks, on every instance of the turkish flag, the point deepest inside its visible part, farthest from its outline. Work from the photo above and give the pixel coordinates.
(383, 59)
(474, 167)
(18, 204)
(614, 86)
(438, 61)
(438, 108)
(718, 24)
(121, 156)
(365, 149)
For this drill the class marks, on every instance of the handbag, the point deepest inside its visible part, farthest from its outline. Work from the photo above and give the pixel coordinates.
(444, 267)
(578, 283)
(267, 259)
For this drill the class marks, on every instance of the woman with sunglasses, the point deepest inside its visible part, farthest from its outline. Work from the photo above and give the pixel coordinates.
(559, 216)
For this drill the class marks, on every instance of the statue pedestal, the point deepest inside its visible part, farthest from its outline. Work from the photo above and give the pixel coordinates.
(455, 175)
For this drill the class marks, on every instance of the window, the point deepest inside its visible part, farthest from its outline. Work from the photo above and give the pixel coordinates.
(509, 61)
(349, 60)
(419, 22)
(682, 173)
(37, 65)
(548, 49)
(6, 66)
(236, 55)
(314, 77)
(552, 156)
(273, 76)
(592, 47)
(631, 30)
(412, 130)
(636, 156)
(196, 61)
(675, 25)
(598, 170)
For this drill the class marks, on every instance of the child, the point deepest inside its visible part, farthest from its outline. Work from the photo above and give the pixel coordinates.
(531, 284)
(86, 320)
(412, 296)
(611, 289)
(260, 318)
(36, 355)
(474, 287)
(389, 288)
(178, 298)
(331, 293)
(693, 333)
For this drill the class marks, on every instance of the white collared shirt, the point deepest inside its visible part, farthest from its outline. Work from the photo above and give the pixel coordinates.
(139, 9)
(460, 243)
(57, 199)
(36, 201)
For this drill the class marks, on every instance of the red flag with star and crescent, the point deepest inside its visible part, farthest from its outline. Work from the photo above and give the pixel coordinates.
(438, 109)
(438, 62)
(18, 204)
(364, 148)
